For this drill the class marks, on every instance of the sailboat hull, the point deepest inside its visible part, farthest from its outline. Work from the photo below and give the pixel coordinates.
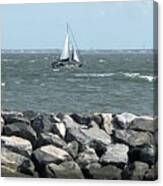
(65, 64)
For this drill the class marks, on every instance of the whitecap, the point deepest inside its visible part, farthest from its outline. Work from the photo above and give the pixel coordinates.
(101, 60)
(3, 84)
(139, 76)
(94, 74)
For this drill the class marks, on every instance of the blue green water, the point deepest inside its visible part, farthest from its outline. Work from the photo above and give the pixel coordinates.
(107, 82)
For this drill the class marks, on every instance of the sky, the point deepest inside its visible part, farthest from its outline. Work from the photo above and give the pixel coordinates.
(104, 25)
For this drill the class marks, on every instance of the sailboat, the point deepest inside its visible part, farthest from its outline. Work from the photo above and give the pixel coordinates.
(70, 55)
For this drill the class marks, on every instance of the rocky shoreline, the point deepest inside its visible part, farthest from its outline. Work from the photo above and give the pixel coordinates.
(74, 146)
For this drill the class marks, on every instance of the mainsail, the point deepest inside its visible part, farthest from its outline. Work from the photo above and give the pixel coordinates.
(66, 49)
(67, 54)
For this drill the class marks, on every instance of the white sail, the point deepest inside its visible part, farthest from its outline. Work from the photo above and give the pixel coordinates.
(75, 56)
(66, 49)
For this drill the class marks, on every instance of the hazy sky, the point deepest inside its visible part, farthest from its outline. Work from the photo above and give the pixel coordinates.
(107, 25)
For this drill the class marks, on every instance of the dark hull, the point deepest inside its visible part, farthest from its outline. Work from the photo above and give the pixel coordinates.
(65, 64)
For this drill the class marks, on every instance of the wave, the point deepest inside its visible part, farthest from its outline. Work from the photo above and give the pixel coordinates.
(139, 76)
(3, 84)
(118, 74)
(94, 74)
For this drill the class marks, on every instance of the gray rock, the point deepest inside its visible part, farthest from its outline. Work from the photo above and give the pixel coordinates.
(11, 114)
(66, 170)
(96, 134)
(49, 154)
(145, 154)
(47, 138)
(107, 122)
(133, 138)
(69, 122)
(60, 129)
(143, 124)
(42, 123)
(116, 153)
(108, 172)
(122, 121)
(152, 173)
(82, 120)
(139, 171)
(30, 114)
(16, 162)
(17, 144)
(21, 130)
(72, 148)
(87, 157)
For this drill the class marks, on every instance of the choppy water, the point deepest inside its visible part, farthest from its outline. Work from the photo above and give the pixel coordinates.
(107, 82)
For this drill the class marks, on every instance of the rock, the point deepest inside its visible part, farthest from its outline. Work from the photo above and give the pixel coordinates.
(122, 121)
(2, 124)
(108, 172)
(49, 154)
(107, 122)
(87, 157)
(16, 162)
(152, 173)
(55, 119)
(139, 171)
(8, 172)
(17, 144)
(116, 153)
(143, 124)
(133, 138)
(7, 115)
(96, 134)
(83, 120)
(145, 154)
(30, 114)
(98, 119)
(69, 122)
(60, 129)
(93, 137)
(72, 148)
(66, 170)
(21, 130)
(42, 123)
(14, 117)
(47, 138)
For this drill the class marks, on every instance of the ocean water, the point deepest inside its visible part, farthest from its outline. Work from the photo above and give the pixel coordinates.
(109, 81)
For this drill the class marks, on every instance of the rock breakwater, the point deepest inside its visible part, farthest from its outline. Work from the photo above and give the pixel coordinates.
(75, 146)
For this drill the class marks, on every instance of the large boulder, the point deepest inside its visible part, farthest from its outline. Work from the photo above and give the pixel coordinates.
(87, 157)
(66, 170)
(17, 144)
(122, 121)
(7, 115)
(139, 170)
(49, 154)
(47, 138)
(21, 130)
(116, 153)
(69, 122)
(59, 129)
(146, 153)
(82, 120)
(108, 172)
(72, 148)
(133, 138)
(144, 124)
(42, 123)
(16, 162)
